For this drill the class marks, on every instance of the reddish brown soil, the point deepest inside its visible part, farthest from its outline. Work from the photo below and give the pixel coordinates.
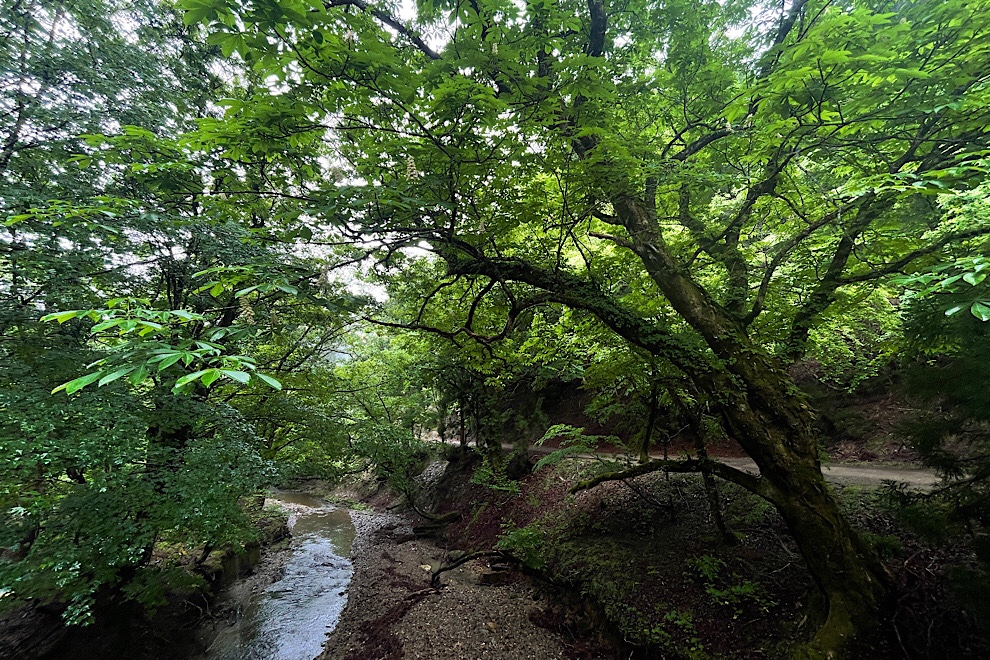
(655, 543)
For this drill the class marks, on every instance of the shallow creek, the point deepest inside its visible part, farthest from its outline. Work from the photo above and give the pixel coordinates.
(290, 619)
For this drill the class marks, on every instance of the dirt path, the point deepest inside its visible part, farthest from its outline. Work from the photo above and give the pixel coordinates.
(845, 474)
(859, 474)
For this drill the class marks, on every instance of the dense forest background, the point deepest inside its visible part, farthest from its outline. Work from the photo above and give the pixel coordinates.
(249, 241)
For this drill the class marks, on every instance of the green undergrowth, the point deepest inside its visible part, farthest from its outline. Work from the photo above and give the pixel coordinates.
(180, 571)
(648, 559)
(651, 560)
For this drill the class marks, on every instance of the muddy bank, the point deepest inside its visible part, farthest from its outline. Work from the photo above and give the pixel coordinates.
(392, 611)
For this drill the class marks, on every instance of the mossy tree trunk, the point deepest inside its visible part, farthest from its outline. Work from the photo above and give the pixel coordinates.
(760, 408)
(851, 579)
(766, 413)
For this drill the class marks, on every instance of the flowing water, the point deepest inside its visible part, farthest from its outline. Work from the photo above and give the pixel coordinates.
(290, 619)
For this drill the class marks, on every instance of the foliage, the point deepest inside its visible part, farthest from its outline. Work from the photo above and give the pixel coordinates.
(574, 442)
(384, 407)
(91, 489)
(668, 201)
(526, 543)
(952, 434)
(730, 590)
(706, 181)
(959, 282)
(492, 473)
(945, 355)
(956, 283)
(117, 255)
(857, 340)
(141, 341)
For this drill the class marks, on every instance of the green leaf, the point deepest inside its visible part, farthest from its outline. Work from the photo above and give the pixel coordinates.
(106, 325)
(169, 360)
(950, 280)
(109, 378)
(268, 380)
(955, 309)
(139, 375)
(79, 383)
(239, 376)
(974, 278)
(62, 317)
(188, 378)
(210, 376)
(981, 311)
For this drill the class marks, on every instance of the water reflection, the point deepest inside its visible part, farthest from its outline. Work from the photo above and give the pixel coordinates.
(291, 618)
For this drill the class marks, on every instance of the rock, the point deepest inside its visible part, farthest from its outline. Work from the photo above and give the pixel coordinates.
(494, 578)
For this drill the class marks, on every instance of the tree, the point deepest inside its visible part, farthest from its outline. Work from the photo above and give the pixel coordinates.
(703, 178)
(943, 358)
(109, 245)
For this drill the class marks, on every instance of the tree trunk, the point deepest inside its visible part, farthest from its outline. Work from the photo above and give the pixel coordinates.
(765, 412)
(761, 409)
(844, 568)
(850, 577)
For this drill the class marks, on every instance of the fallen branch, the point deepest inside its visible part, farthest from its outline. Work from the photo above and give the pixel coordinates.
(435, 576)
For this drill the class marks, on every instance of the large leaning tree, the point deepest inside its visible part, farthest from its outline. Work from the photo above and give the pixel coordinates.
(707, 178)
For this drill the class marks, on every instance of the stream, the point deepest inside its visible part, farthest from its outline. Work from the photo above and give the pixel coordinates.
(290, 619)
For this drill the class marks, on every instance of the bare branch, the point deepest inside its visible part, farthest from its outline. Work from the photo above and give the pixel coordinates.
(748, 481)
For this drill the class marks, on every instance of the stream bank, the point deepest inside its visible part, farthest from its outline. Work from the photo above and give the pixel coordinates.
(479, 610)
(393, 612)
(638, 570)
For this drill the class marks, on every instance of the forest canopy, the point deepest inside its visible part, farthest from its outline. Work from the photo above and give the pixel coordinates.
(697, 196)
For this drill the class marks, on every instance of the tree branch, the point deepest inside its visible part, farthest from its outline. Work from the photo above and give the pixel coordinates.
(621, 242)
(896, 266)
(599, 25)
(435, 576)
(390, 21)
(752, 483)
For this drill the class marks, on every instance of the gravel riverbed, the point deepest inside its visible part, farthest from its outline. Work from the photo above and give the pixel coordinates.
(392, 611)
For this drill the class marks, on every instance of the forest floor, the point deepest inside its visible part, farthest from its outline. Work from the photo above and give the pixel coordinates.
(636, 570)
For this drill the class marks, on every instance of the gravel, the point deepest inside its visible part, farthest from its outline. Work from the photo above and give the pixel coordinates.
(392, 612)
